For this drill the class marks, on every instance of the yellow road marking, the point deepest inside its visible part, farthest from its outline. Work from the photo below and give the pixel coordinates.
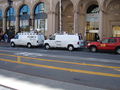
(19, 59)
(64, 69)
(94, 65)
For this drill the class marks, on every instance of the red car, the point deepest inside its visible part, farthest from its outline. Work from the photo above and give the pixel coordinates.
(111, 43)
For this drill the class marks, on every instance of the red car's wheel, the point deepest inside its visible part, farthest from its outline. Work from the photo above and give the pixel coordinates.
(93, 49)
(118, 50)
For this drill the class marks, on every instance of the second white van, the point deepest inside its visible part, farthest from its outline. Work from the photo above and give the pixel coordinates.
(64, 41)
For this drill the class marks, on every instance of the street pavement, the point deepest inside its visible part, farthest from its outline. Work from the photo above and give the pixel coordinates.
(20, 81)
(4, 44)
(58, 69)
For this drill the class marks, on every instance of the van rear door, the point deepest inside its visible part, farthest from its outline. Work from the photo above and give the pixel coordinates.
(81, 41)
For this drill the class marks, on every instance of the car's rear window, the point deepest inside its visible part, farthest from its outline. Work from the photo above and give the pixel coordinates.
(113, 40)
(119, 39)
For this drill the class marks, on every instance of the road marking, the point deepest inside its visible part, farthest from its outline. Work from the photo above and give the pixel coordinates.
(57, 61)
(63, 69)
(67, 57)
(29, 54)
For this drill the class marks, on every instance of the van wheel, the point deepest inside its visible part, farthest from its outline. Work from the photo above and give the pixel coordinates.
(118, 50)
(70, 48)
(12, 44)
(93, 49)
(47, 46)
(29, 45)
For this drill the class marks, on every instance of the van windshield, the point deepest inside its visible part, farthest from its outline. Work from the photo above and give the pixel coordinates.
(16, 37)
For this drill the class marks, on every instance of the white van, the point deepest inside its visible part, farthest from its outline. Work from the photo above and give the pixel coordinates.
(64, 41)
(27, 39)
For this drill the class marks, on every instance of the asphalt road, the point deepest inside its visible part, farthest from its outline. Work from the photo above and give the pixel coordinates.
(100, 70)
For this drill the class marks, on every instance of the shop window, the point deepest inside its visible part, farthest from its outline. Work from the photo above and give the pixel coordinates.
(116, 31)
(40, 18)
(25, 18)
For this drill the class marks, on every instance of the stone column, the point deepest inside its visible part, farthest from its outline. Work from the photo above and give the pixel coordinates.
(17, 24)
(32, 21)
(82, 24)
(51, 23)
(4, 24)
(76, 22)
(102, 24)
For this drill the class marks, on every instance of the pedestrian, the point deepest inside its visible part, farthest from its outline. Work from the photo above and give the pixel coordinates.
(96, 37)
(5, 37)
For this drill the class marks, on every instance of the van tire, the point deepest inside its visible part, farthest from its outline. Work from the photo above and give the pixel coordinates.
(70, 48)
(93, 49)
(29, 45)
(12, 44)
(118, 50)
(47, 46)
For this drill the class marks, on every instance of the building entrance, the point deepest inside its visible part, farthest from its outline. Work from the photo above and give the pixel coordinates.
(92, 23)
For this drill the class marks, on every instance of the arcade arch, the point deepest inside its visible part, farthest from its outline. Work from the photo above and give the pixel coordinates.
(10, 22)
(40, 18)
(67, 17)
(92, 23)
(113, 10)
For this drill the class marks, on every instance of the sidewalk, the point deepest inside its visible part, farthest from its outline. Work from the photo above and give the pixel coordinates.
(26, 82)
(4, 44)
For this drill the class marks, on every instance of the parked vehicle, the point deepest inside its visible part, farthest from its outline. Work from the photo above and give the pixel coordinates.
(28, 39)
(64, 41)
(111, 43)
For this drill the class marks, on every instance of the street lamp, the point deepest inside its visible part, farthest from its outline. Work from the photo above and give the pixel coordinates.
(9, 17)
(43, 15)
(60, 5)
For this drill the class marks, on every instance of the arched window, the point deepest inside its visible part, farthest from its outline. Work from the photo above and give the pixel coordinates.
(92, 23)
(24, 18)
(11, 22)
(1, 23)
(40, 16)
(10, 18)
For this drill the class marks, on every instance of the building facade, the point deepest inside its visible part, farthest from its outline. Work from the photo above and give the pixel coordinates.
(91, 18)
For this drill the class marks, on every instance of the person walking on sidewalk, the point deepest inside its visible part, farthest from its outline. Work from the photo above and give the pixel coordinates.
(5, 37)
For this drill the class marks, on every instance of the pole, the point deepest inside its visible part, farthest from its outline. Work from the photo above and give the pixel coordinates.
(44, 17)
(60, 15)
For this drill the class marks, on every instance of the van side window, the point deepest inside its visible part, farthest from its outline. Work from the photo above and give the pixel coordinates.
(52, 38)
